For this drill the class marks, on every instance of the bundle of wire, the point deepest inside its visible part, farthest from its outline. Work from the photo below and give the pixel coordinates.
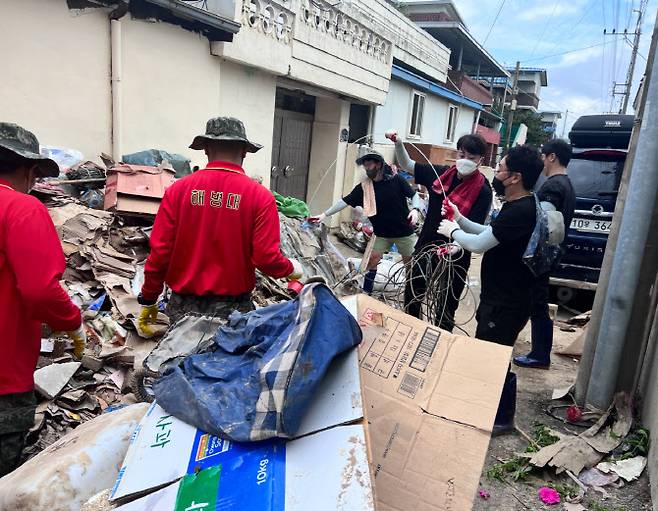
(434, 263)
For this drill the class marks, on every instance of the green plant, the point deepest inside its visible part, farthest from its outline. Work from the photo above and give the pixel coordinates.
(565, 490)
(542, 437)
(635, 444)
(518, 468)
(595, 506)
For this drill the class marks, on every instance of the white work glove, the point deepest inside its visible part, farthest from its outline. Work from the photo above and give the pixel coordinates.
(413, 217)
(392, 135)
(448, 205)
(297, 270)
(447, 227)
(317, 219)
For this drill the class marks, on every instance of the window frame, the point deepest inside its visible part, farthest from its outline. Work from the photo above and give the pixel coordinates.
(451, 128)
(415, 132)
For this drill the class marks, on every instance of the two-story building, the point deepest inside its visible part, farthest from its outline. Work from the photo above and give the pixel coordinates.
(118, 76)
(464, 102)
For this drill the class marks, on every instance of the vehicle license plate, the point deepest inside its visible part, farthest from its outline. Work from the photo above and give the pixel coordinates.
(590, 225)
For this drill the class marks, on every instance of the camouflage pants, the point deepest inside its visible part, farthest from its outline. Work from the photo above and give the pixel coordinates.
(217, 306)
(16, 418)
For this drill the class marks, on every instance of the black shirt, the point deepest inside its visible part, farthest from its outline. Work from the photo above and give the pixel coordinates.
(425, 175)
(506, 280)
(558, 191)
(392, 210)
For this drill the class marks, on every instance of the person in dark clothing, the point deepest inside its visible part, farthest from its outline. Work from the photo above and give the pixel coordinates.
(465, 185)
(556, 194)
(383, 197)
(507, 283)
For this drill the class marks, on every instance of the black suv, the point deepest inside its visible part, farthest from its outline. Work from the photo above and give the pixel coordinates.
(600, 145)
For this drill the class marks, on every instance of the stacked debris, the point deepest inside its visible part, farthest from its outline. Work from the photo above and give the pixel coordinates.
(105, 255)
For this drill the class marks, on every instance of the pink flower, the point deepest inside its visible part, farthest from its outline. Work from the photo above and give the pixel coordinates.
(549, 496)
(484, 494)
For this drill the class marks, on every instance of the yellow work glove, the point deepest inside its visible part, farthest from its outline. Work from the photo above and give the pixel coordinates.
(79, 338)
(147, 318)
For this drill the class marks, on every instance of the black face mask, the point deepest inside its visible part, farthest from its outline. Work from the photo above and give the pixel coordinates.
(498, 186)
(372, 174)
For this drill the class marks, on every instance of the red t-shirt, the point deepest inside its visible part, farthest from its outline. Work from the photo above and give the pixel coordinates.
(213, 229)
(31, 265)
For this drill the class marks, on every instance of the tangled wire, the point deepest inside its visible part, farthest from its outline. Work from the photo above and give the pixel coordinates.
(435, 265)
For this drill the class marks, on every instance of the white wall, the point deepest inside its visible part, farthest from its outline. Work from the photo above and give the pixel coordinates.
(56, 68)
(328, 155)
(249, 95)
(170, 87)
(396, 113)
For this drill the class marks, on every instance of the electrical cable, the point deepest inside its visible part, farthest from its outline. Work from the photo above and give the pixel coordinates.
(502, 4)
(548, 21)
(566, 52)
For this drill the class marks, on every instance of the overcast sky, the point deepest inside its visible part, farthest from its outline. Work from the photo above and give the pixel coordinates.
(536, 31)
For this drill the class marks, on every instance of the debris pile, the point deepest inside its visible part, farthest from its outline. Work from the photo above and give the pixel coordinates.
(610, 452)
(105, 255)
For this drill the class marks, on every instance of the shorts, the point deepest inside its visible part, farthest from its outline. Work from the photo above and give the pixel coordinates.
(404, 245)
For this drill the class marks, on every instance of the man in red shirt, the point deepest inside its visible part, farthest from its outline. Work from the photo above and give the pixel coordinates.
(31, 265)
(213, 229)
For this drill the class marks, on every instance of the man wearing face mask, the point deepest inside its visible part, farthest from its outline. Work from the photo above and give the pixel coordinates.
(464, 185)
(507, 283)
(556, 194)
(213, 229)
(383, 196)
(31, 266)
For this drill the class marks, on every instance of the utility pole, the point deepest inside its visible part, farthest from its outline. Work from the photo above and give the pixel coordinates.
(594, 326)
(512, 108)
(624, 89)
(564, 126)
(631, 65)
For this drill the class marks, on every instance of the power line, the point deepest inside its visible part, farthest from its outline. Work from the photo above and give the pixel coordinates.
(502, 4)
(548, 21)
(567, 52)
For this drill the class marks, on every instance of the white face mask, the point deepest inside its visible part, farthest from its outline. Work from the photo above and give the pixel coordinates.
(465, 167)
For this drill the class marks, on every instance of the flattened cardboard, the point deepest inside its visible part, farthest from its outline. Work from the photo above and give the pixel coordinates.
(430, 400)
(325, 470)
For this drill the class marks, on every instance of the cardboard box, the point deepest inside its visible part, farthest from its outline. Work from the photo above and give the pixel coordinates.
(324, 469)
(137, 189)
(430, 400)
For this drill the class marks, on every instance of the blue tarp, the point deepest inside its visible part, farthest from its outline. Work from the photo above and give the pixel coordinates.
(267, 364)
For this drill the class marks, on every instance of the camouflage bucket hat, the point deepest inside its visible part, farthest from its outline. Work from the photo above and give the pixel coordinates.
(370, 155)
(22, 142)
(224, 128)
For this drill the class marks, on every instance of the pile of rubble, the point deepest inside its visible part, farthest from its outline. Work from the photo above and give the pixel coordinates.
(105, 255)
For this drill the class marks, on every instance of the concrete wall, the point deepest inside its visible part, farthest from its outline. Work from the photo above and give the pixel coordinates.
(328, 154)
(249, 94)
(167, 95)
(58, 84)
(649, 392)
(56, 73)
(396, 113)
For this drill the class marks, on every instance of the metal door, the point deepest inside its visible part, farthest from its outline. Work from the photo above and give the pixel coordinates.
(291, 153)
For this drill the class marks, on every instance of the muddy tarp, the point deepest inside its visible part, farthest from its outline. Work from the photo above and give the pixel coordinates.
(264, 372)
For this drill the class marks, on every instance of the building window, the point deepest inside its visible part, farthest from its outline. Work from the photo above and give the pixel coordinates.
(417, 108)
(453, 113)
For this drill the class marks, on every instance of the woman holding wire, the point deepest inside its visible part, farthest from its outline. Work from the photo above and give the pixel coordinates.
(435, 282)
